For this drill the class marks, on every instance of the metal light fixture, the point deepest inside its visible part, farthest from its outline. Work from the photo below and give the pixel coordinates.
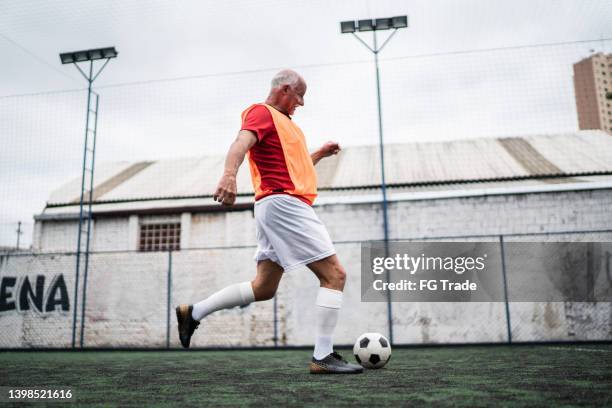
(109, 52)
(81, 56)
(347, 27)
(67, 58)
(399, 21)
(379, 24)
(366, 25)
(95, 54)
(88, 55)
(383, 23)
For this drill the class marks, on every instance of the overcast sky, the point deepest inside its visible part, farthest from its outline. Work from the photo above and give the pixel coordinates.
(186, 70)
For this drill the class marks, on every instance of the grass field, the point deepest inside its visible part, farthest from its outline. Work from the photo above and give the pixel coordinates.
(542, 375)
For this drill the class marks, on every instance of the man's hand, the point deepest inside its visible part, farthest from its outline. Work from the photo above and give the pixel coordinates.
(226, 190)
(328, 149)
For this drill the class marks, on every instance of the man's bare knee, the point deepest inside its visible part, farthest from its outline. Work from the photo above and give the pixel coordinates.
(266, 282)
(331, 275)
(342, 276)
(263, 291)
(338, 277)
(330, 272)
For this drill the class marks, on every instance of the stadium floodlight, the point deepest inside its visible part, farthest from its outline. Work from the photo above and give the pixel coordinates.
(347, 27)
(109, 52)
(366, 25)
(81, 56)
(380, 24)
(399, 21)
(95, 54)
(67, 58)
(89, 154)
(88, 55)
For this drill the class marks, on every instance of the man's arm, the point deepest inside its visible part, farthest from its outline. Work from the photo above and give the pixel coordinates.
(226, 189)
(328, 149)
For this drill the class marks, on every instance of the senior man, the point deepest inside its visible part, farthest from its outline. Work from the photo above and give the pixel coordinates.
(289, 233)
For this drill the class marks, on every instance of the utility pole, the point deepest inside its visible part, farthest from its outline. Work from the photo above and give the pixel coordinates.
(19, 233)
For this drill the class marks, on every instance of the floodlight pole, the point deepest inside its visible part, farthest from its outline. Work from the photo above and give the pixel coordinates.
(376, 50)
(381, 143)
(89, 151)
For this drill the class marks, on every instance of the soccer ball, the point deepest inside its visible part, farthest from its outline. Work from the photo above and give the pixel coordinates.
(372, 350)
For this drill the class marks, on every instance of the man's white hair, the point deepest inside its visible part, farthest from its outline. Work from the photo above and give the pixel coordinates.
(285, 77)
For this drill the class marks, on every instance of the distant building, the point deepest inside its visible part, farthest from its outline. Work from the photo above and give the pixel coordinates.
(532, 184)
(593, 88)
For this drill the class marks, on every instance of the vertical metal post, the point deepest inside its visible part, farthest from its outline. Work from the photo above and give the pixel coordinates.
(381, 145)
(78, 254)
(275, 305)
(375, 50)
(18, 234)
(89, 216)
(505, 281)
(168, 298)
(592, 257)
(383, 186)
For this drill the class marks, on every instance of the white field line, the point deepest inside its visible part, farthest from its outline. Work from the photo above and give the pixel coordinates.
(581, 349)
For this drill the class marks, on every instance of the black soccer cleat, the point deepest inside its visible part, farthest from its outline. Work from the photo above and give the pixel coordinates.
(333, 364)
(186, 324)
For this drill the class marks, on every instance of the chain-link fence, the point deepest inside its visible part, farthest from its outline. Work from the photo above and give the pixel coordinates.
(126, 300)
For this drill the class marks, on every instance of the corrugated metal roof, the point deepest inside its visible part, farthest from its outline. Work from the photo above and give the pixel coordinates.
(358, 167)
(575, 153)
(364, 195)
(72, 189)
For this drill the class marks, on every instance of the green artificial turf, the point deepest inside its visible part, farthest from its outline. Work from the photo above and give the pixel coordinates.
(541, 375)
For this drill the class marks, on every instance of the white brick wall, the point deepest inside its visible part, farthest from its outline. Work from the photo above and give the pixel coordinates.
(31, 328)
(199, 273)
(528, 213)
(58, 235)
(234, 228)
(111, 234)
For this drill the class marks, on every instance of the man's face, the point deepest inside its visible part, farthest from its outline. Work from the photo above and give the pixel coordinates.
(293, 96)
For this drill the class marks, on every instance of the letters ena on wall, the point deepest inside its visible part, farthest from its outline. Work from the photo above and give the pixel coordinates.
(34, 293)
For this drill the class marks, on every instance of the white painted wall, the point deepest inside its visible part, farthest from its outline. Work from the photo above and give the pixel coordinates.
(56, 236)
(111, 234)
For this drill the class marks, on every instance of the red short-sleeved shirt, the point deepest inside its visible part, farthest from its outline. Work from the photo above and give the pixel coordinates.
(267, 153)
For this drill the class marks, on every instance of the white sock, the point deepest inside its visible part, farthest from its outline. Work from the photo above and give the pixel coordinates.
(231, 296)
(327, 307)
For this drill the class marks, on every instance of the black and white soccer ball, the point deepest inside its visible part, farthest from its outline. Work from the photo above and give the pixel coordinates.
(372, 350)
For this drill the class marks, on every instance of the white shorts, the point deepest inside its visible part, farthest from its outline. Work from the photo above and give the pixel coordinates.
(289, 232)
